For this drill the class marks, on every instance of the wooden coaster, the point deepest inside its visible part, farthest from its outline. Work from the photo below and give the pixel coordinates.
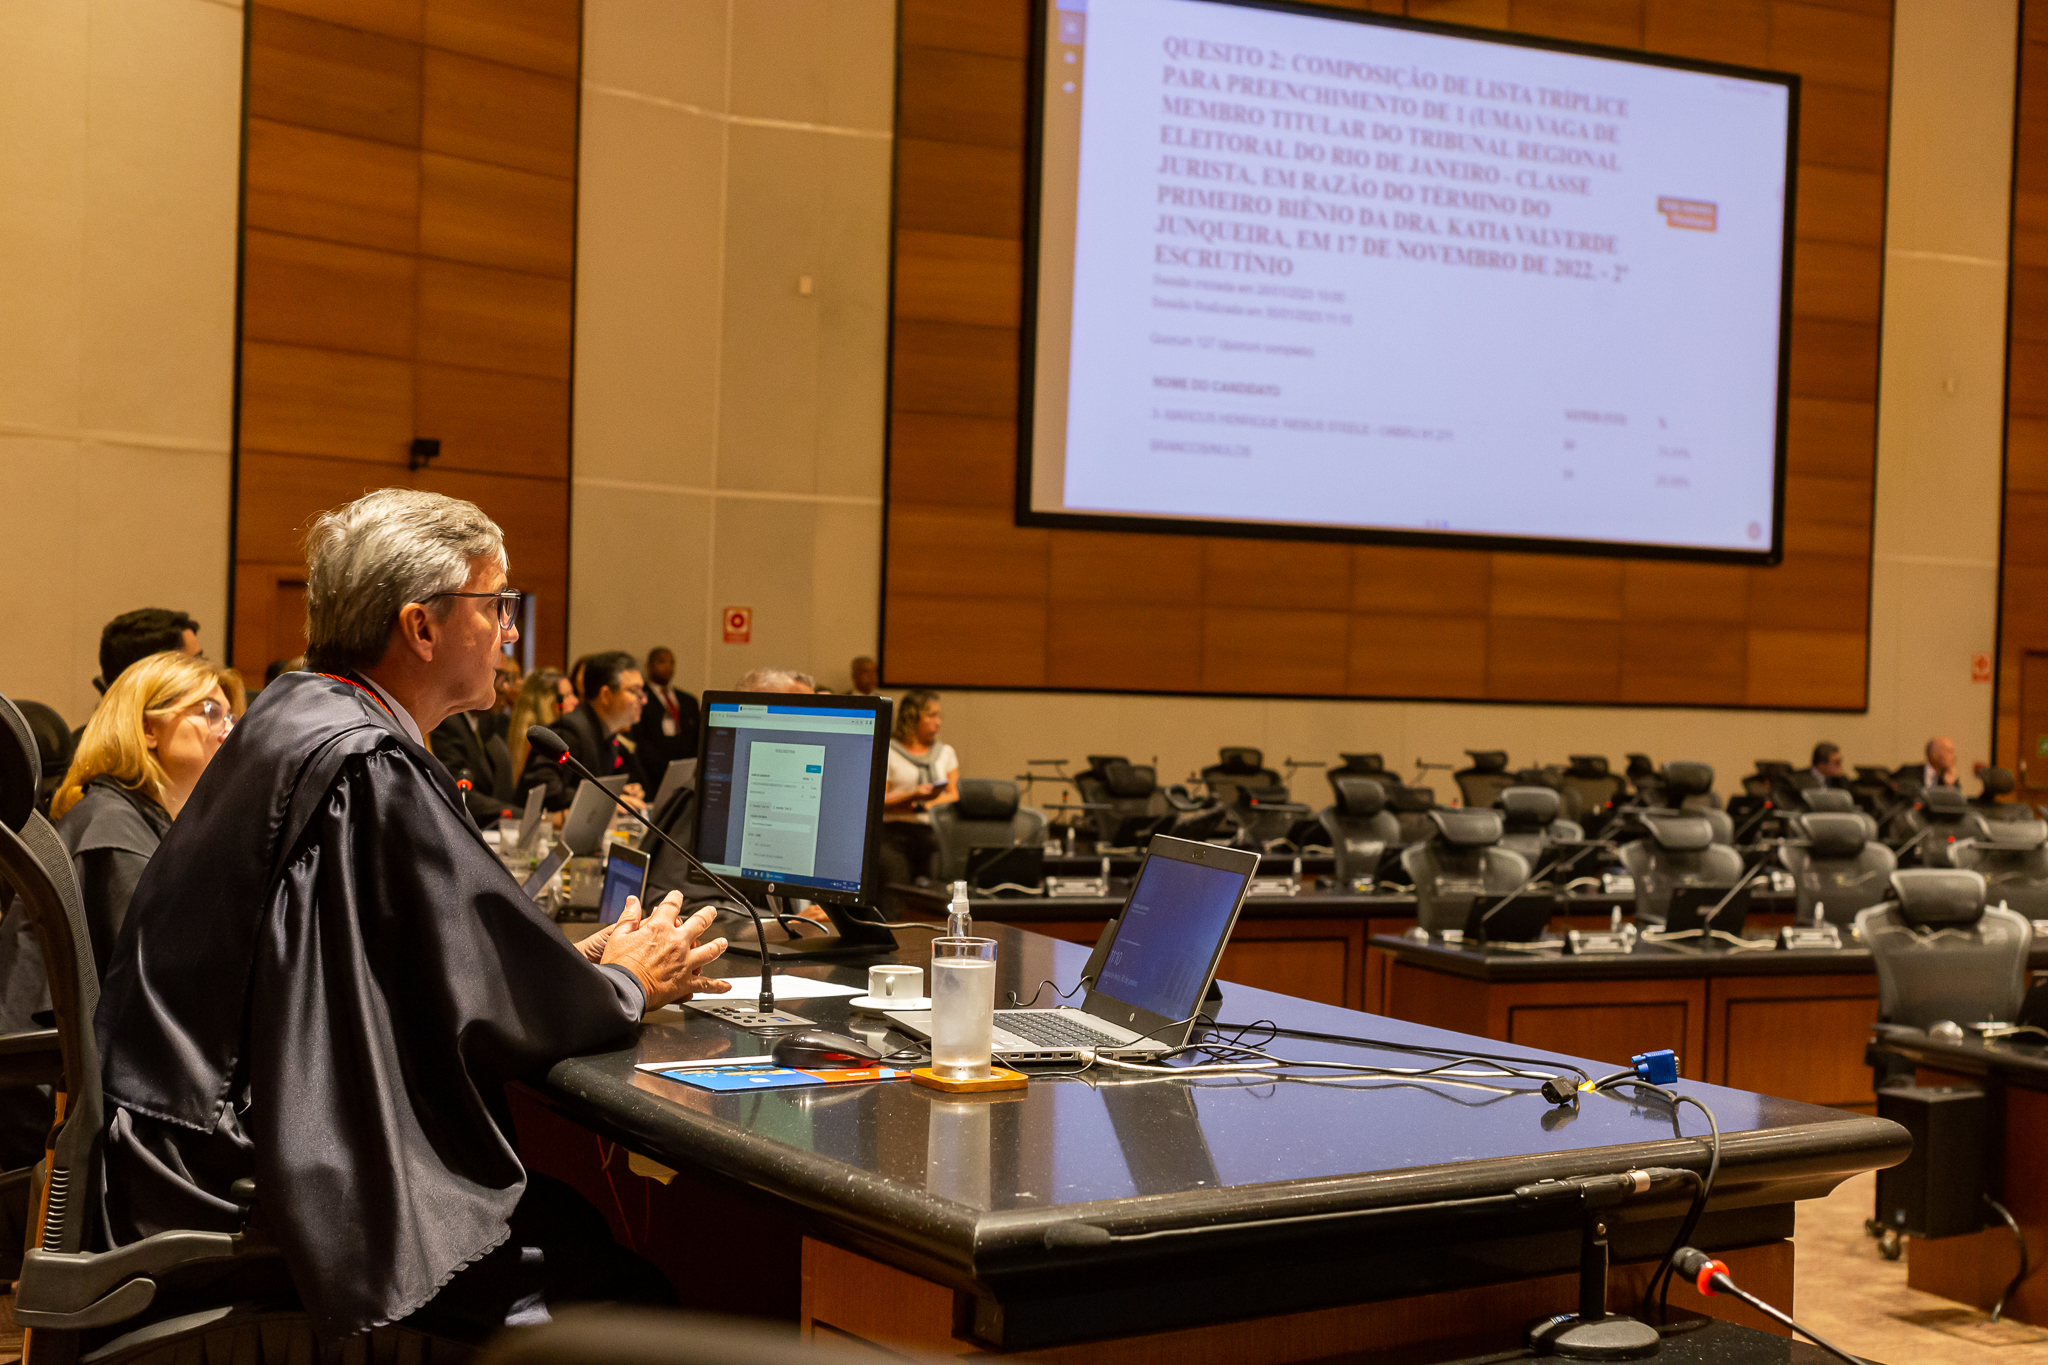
(998, 1079)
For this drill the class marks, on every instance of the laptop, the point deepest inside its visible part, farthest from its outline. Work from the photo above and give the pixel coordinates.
(582, 830)
(1502, 919)
(1018, 869)
(1156, 965)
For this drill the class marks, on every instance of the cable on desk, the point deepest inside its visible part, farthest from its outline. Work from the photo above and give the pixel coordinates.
(1658, 1292)
(1998, 1309)
(1083, 984)
(1547, 1066)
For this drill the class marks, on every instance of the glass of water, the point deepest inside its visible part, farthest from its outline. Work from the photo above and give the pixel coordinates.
(963, 1007)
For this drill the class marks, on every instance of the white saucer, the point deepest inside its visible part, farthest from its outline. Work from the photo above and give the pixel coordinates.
(874, 1004)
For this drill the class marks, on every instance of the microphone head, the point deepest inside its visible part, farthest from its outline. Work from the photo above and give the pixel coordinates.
(547, 741)
(1690, 1261)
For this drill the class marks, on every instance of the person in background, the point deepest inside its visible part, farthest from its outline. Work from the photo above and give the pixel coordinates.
(776, 680)
(1940, 768)
(480, 761)
(613, 693)
(510, 679)
(135, 635)
(143, 750)
(1826, 770)
(667, 728)
(155, 731)
(544, 698)
(866, 677)
(277, 668)
(923, 772)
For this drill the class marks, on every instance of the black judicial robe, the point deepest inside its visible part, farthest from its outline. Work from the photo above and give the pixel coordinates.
(324, 981)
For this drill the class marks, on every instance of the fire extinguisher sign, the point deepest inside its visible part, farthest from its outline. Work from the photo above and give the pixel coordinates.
(739, 625)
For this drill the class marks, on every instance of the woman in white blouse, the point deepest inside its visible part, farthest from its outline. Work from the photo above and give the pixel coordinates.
(923, 772)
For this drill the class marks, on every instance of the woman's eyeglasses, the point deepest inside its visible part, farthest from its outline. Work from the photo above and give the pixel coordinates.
(219, 719)
(508, 603)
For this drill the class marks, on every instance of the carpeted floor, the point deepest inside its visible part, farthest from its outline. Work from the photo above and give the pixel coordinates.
(1859, 1301)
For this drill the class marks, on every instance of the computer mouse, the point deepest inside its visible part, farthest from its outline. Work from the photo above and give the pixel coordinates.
(816, 1049)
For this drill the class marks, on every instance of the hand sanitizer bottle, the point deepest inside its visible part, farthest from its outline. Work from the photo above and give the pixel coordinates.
(959, 924)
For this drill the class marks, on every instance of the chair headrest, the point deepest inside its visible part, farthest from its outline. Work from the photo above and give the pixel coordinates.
(1359, 796)
(1773, 767)
(1682, 779)
(1101, 761)
(1489, 760)
(1588, 765)
(1829, 799)
(1832, 834)
(1362, 763)
(986, 798)
(1679, 833)
(1467, 828)
(1125, 779)
(1526, 808)
(1639, 765)
(1936, 896)
(1997, 781)
(21, 767)
(2016, 834)
(1411, 799)
(1241, 758)
(1944, 803)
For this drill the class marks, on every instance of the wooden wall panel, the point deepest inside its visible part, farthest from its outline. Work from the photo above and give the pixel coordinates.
(2023, 576)
(408, 249)
(1226, 615)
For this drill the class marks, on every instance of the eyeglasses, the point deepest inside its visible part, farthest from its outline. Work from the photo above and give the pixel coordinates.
(218, 718)
(508, 603)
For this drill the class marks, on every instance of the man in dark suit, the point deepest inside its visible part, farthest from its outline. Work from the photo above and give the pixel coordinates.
(612, 693)
(667, 728)
(1826, 770)
(475, 753)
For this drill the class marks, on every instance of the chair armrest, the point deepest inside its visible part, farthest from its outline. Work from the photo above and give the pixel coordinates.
(32, 1058)
(72, 1291)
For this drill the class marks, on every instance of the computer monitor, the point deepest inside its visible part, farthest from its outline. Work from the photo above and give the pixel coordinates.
(625, 876)
(789, 803)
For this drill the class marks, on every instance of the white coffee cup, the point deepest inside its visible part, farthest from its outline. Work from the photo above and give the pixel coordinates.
(892, 981)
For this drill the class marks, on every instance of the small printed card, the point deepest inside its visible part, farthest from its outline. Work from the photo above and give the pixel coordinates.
(765, 1075)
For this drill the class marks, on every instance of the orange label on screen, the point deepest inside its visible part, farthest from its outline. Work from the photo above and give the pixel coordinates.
(1696, 214)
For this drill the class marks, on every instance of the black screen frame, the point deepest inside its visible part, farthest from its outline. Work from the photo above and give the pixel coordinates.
(1244, 862)
(627, 855)
(1027, 357)
(870, 868)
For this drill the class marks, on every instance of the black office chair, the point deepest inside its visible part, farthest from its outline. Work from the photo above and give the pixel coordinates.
(1841, 867)
(1129, 792)
(55, 748)
(1361, 765)
(1462, 863)
(1990, 803)
(1599, 789)
(2013, 860)
(1360, 827)
(1646, 782)
(1676, 850)
(988, 814)
(1827, 801)
(1689, 789)
(1412, 807)
(174, 1297)
(1481, 784)
(1942, 953)
(1531, 822)
(1874, 789)
(1239, 766)
(1941, 817)
(1552, 776)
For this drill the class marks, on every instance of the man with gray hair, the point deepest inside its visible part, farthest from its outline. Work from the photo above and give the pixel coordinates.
(327, 977)
(776, 680)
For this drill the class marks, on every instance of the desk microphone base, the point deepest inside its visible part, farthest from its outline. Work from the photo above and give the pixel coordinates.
(749, 1016)
(1570, 1337)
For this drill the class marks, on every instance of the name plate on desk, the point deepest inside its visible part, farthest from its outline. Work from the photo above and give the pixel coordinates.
(1057, 887)
(1809, 936)
(1585, 941)
(1617, 884)
(1274, 886)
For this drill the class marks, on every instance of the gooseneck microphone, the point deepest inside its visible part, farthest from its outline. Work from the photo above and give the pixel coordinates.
(554, 746)
(1711, 1277)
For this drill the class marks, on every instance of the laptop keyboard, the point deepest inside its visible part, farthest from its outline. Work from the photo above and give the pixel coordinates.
(1046, 1028)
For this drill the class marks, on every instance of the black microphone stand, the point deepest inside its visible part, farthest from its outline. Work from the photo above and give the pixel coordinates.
(547, 741)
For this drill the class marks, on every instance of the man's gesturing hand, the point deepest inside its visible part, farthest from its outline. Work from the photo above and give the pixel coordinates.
(663, 952)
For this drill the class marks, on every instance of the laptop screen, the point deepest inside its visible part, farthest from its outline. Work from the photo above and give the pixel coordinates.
(1169, 935)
